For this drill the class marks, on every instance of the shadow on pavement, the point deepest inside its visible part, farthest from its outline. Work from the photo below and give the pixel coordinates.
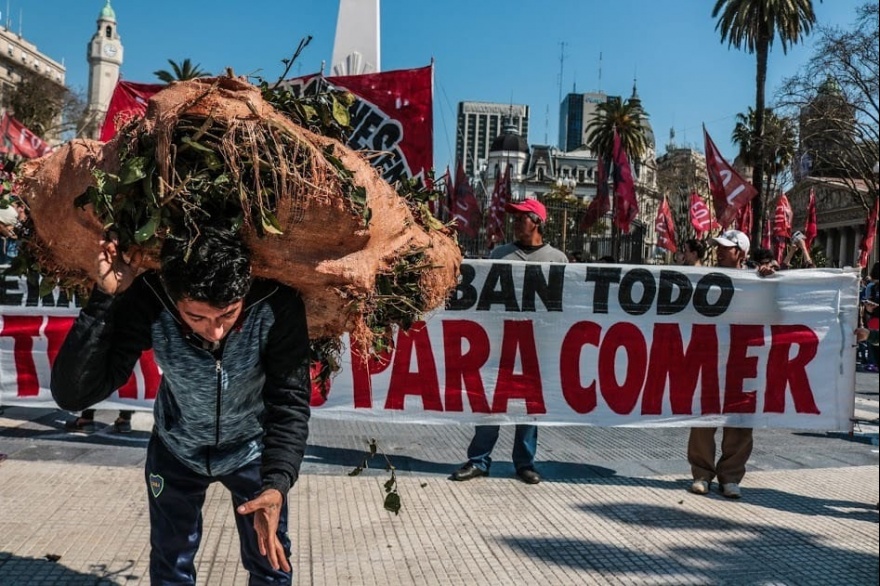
(38, 571)
(750, 554)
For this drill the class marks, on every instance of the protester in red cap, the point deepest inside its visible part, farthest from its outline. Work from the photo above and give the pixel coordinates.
(529, 217)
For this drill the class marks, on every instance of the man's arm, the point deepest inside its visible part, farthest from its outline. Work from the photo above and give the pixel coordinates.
(102, 347)
(287, 392)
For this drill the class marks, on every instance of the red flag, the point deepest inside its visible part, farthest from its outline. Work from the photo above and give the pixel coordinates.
(447, 202)
(701, 218)
(811, 226)
(601, 204)
(129, 101)
(393, 116)
(467, 210)
(729, 190)
(664, 226)
(500, 197)
(17, 139)
(782, 218)
(867, 243)
(624, 187)
(744, 219)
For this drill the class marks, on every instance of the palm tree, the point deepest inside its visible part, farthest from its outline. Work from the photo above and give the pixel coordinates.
(780, 144)
(180, 71)
(627, 118)
(753, 25)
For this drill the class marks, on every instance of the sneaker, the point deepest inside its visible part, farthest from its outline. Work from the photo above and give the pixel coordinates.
(80, 425)
(122, 425)
(731, 490)
(700, 487)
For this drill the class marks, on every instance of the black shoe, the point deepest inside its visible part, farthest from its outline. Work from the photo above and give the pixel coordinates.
(529, 475)
(80, 425)
(122, 425)
(469, 471)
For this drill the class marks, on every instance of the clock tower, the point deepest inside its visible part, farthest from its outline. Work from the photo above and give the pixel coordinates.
(104, 53)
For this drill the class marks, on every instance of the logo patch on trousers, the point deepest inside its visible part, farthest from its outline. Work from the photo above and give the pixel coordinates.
(157, 483)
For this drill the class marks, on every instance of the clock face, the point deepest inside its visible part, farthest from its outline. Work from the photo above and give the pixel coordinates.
(110, 50)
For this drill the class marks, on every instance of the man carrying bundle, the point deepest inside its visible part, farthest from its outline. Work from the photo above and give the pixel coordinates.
(233, 403)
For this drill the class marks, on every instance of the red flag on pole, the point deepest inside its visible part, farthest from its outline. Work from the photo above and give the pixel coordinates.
(467, 210)
(811, 226)
(782, 218)
(701, 218)
(601, 204)
(744, 219)
(765, 237)
(17, 139)
(664, 226)
(447, 202)
(867, 243)
(500, 197)
(729, 190)
(627, 207)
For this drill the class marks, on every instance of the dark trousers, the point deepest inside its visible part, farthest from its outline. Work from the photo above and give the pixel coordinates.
(736, 447)
(176, 495)
(525, 445)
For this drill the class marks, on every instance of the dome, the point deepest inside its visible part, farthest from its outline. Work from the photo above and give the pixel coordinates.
(509, 140)
(107, 13)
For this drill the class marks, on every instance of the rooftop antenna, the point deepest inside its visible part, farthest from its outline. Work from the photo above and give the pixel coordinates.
(562, 45)
(8, 19)
(20, 20)
(547, 125)
(600, 71)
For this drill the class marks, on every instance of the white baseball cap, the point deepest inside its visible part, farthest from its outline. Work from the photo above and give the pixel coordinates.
(735, 239)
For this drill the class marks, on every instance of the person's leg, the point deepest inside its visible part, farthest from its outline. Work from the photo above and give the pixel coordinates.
(123, 422)
(525, 446)
(85, 423)
(736, 447)
(244, 484)
(176, 495)
(701, 453)
(479, 452)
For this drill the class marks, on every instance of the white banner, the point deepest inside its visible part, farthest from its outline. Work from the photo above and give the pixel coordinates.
(553, 344)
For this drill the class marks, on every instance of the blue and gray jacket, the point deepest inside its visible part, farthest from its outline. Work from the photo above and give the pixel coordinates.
(216, 410)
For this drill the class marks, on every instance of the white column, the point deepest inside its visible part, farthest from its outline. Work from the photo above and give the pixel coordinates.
(830, 234)
(841, 251)
(356, 45)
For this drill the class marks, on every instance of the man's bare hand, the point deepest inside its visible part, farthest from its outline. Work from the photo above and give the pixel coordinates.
(266, 509)
(115, 272)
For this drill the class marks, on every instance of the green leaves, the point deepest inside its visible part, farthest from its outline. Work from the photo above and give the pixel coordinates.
(392, 498)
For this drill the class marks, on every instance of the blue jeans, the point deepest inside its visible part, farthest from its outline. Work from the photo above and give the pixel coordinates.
(525, 444)
(176, 495)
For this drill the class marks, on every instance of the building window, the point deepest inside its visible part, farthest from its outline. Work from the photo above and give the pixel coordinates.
(108, 32)
(581, 175)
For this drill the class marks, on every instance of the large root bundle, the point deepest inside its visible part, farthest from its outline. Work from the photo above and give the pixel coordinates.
(314, 213)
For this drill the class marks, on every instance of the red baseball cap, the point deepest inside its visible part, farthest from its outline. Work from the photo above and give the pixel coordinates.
(528, 206)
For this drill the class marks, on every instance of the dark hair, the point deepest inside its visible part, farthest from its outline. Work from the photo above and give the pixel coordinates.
(607, 259)
(214, 268)
(762, 255)
(698, 247)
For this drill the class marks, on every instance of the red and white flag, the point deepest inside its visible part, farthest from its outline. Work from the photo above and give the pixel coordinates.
(664, 226)
(729, 190)
(782, 217)
(500, 197)
(467, 210)
(17, 139)
(867, 243)
(811, 226)
(744, 219)
(700, 216)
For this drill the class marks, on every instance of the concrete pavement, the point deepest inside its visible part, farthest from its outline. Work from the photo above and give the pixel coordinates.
(613, 509)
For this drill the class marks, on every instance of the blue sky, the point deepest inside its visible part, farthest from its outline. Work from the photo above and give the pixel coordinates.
(484, 50)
